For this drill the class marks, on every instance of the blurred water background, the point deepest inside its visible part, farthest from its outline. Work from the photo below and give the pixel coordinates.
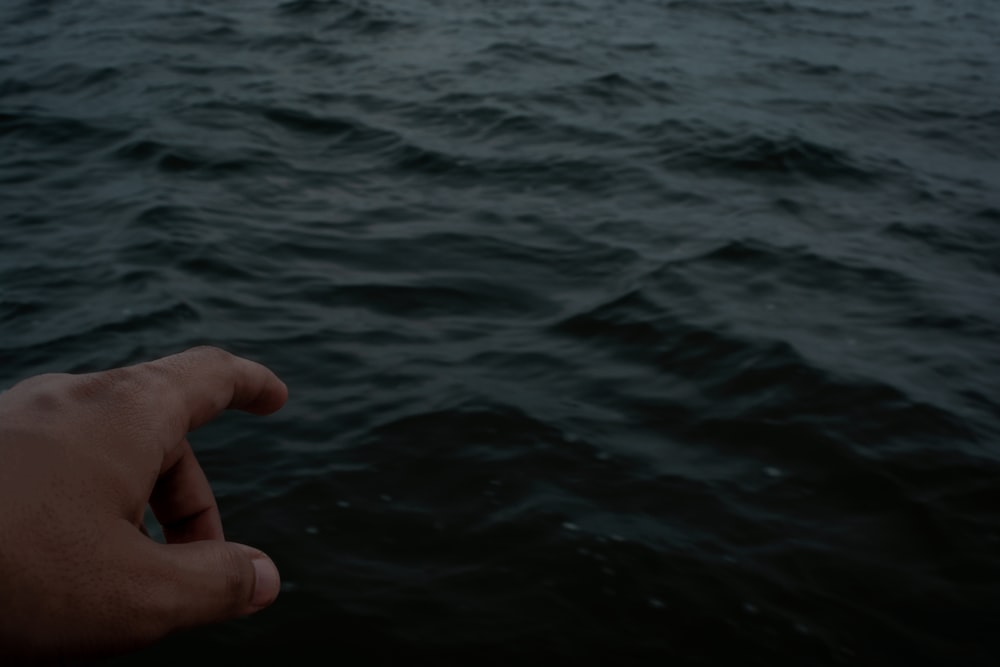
(617, 332)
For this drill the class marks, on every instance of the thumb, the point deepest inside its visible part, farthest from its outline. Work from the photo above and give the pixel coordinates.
(213, 581)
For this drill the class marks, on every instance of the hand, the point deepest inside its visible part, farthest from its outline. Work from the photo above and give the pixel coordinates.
(81, 457)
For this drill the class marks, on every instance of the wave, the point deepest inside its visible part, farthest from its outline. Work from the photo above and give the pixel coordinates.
(751, 8)
(683, 146)
(47, 130)
(360, 19)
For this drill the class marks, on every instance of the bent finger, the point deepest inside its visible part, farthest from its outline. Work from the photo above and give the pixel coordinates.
(182, 499)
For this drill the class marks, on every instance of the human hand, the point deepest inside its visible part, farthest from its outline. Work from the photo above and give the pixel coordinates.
(81, 457)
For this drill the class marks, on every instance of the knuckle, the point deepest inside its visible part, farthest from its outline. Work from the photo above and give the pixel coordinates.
(190, 362)
(236, 580)
(43, 394)
(210, 352)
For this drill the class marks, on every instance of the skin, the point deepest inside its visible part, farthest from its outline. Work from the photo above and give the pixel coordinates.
(81, 457)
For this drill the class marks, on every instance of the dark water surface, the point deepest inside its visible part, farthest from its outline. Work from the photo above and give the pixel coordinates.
(632, 332)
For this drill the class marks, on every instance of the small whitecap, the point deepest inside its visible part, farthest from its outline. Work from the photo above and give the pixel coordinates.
(312, 530)
(771, 471)
(656, 603)
(569, 525)
(343, 504)
(750, 608)
(386, 498)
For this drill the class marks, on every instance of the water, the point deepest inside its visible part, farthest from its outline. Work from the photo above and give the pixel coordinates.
(634, 332)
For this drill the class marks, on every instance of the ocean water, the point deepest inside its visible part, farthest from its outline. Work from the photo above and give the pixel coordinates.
(636, 332)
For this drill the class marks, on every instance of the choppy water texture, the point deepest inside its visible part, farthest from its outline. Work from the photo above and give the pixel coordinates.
(631, 332)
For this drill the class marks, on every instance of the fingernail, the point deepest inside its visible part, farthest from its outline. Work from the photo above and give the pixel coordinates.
(267, 583)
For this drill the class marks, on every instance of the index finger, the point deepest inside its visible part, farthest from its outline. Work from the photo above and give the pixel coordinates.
(198, 384)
